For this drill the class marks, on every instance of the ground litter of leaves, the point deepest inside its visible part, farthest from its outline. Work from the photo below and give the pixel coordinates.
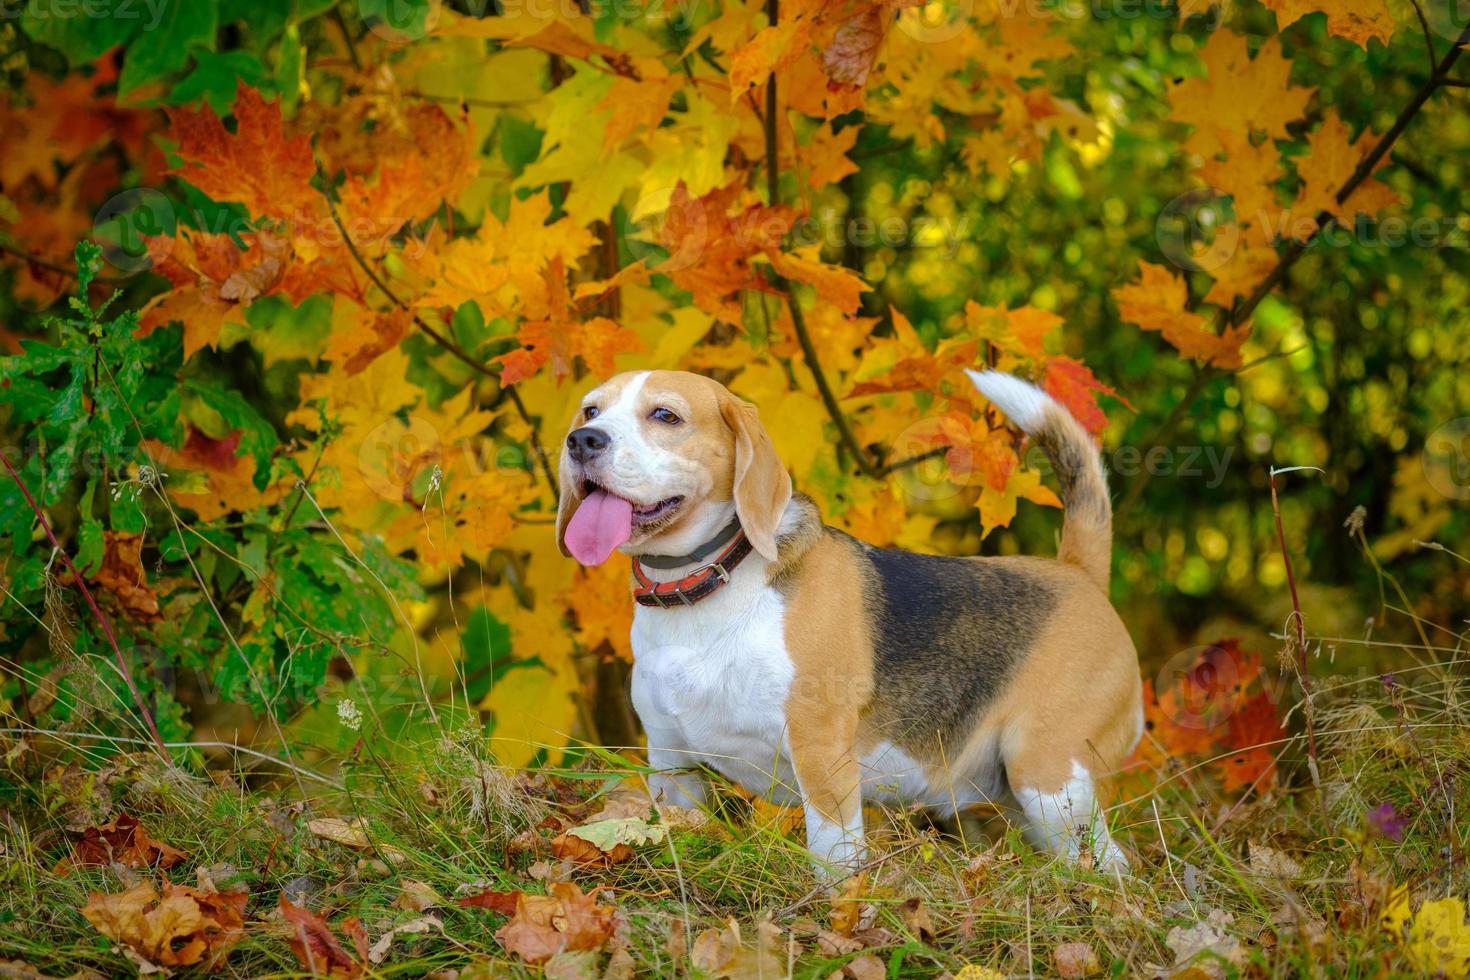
(455, 868)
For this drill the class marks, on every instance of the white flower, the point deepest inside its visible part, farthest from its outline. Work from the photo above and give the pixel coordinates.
(348, 714)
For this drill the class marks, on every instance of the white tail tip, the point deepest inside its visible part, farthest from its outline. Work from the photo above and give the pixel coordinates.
(1022, 402)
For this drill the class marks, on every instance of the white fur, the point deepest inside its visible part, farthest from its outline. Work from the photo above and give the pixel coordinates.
(1022, 402)
(1070, 819)
(710, 684)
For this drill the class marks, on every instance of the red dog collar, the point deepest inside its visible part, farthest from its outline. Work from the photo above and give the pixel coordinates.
(699, 584)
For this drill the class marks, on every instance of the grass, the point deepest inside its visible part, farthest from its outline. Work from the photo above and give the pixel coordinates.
(1302, 879)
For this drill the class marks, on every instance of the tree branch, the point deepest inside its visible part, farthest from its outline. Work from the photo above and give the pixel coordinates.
(435, 335)
(57, 267)
(1439, 78)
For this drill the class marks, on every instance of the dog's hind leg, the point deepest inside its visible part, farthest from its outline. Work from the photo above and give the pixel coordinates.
(1065, 818)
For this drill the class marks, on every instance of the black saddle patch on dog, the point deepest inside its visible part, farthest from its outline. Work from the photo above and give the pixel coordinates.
(947, 634)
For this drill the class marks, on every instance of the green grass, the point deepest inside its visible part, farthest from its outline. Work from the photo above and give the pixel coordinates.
(444, 815)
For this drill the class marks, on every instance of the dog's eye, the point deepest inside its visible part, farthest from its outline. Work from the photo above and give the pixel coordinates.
(665, 416)
(589, 413)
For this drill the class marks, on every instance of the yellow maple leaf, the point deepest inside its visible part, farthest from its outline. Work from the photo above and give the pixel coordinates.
(467, 270)
(1238, 95)
(834, 284)
(1019, 331)
(1356, 20)
(601, 607)
(1332, 159)
(1436, 939)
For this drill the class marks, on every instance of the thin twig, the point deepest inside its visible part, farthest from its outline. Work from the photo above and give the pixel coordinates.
(471, 100)
(435, 335)
(920, 841)
(65, 270)
(122, 664)
(845, 434)
(1428, 36)
(231, 746)
(1303, 666)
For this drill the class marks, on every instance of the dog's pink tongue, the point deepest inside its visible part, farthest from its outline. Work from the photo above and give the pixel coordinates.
(601, 523)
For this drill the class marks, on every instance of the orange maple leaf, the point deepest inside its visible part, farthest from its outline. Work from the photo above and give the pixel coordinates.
(559, 337)
(214, 280)
(1159, 301)
(1075, 386)
(1255, 729)
(257, 165)
(855, 46)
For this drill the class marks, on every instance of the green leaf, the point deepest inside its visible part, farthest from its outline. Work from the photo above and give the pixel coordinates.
(214, 79)
(520, 142)
(487, 653)
(397, 20)
(89, 262)
(290, 69)
(84, 34)
(264, 19)
(162, 48)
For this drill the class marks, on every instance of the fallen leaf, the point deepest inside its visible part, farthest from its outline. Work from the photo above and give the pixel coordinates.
(724, 953)
(1206, 948)
(502, 902)
(352, 835)
(378, 952)
(415, 896)
(1436, 938)
(569, 847)
(847, 904)
(1076, 960)
(865, 967)
(916, 919)
(1267, 862)
(608, 834)
(119, 841)
(565, 920)
(180, 927)
(317, 947)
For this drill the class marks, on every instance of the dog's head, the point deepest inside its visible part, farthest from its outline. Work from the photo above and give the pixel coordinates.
(656, 462)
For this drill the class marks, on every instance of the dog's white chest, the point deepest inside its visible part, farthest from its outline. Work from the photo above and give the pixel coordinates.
(710, 683)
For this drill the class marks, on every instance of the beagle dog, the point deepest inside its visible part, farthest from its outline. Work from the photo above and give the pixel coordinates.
(816, 669)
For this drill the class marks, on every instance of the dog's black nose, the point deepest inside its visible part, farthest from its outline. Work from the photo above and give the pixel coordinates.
(586, 442)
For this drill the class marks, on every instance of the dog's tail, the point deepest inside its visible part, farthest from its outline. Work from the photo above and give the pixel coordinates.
(1087, 528)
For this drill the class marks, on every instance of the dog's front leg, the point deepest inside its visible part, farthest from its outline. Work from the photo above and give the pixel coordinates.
(672, 781)
(827, 770)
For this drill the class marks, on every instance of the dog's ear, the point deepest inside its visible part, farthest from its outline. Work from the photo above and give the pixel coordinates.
(762, 487)
(571, 498)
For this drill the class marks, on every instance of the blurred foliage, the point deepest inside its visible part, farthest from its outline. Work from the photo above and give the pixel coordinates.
(335, 462)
